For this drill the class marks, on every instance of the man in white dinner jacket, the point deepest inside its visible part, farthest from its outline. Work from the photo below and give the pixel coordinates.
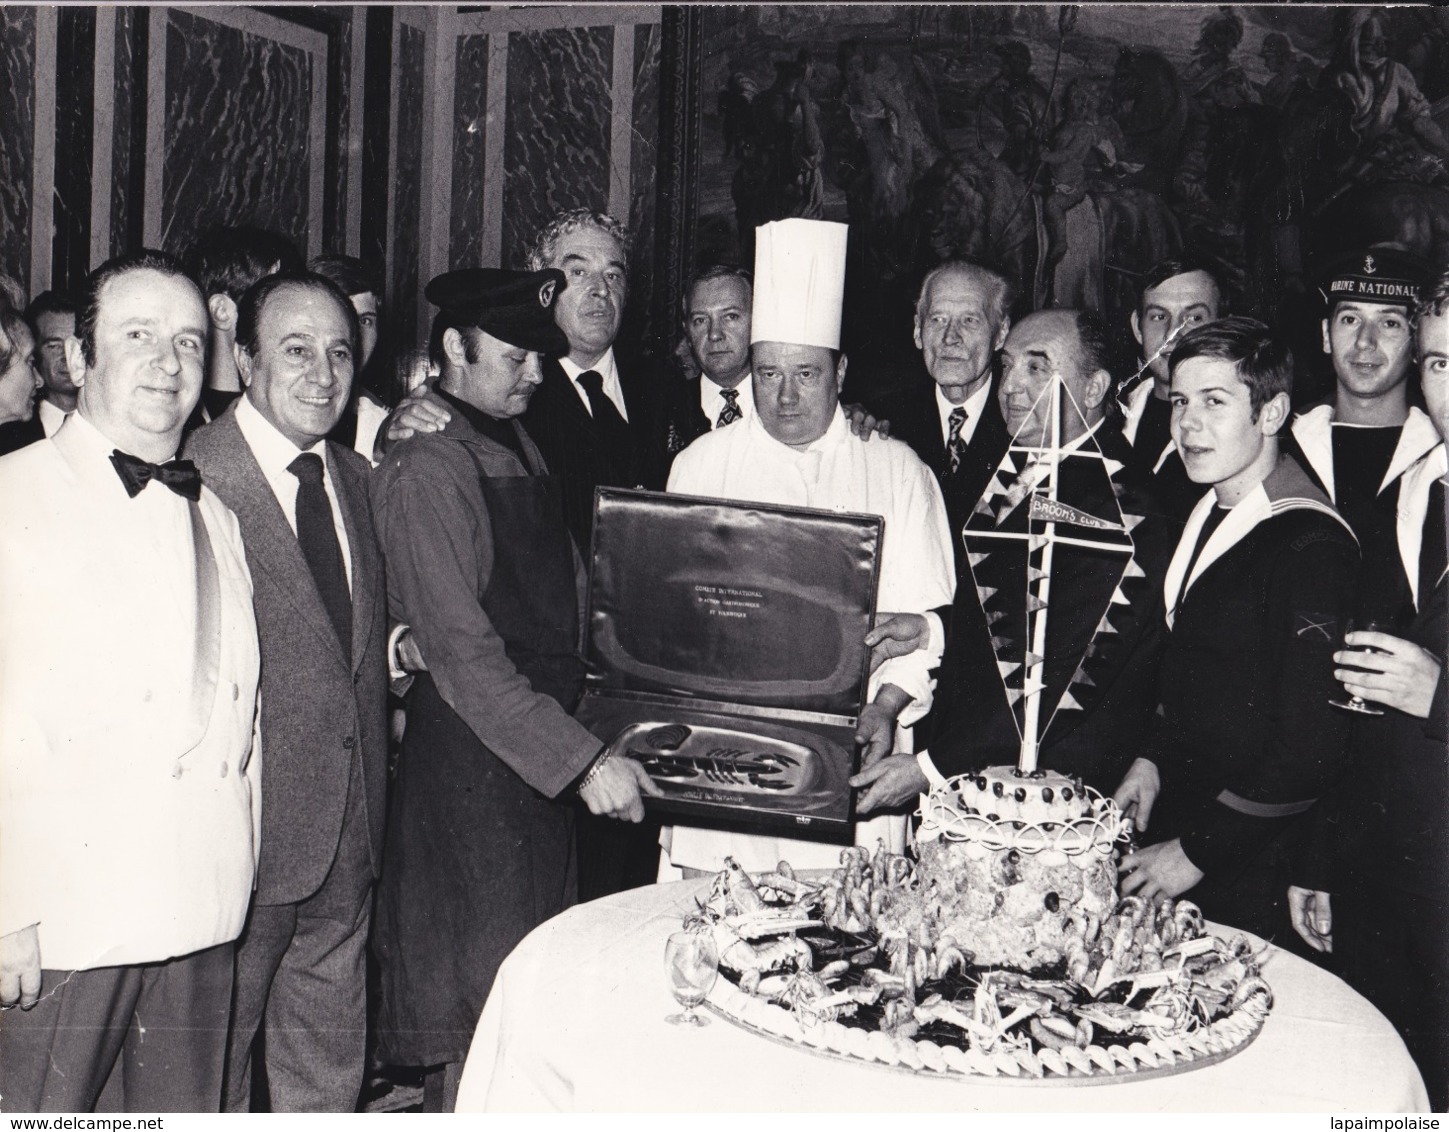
(128, 679)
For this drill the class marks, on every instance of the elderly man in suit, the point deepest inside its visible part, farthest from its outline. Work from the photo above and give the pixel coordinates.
(1109, 693)
(307, 525)
(954, 423)
(592, 418)
(128, 787)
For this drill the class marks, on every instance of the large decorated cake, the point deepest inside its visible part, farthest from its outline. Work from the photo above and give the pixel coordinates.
(1003, 947)
(1002, 950)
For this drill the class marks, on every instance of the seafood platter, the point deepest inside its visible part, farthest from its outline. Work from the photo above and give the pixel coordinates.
(726, 654)
(1001, 950)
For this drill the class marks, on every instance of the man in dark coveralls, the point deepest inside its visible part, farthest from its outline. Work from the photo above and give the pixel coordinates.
(1244, 740)
(480, 839)
(1377, 880)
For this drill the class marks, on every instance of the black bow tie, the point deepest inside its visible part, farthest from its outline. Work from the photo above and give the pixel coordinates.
(180, 476)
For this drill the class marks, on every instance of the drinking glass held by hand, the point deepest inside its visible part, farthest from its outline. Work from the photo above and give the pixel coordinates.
(1356, 703)
(691, 962)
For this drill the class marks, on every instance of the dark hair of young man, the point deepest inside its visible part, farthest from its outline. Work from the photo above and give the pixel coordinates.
(1264, 363)
(226, 261)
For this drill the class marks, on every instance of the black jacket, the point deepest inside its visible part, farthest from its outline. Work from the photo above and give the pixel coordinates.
(579, 456)
(1245, 739)
(911, 410)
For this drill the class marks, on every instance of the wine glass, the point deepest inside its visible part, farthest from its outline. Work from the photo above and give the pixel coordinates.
(1366, 624)
(691, 961)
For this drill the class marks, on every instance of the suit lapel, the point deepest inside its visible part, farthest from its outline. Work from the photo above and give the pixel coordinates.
(360, 542)
(270, 543)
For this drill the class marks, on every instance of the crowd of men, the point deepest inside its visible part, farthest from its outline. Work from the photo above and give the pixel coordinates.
(227, 533)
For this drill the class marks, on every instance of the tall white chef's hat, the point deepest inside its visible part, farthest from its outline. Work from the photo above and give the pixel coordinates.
(799, 283)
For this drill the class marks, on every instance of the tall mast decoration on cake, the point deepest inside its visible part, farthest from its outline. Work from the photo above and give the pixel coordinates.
(1050, 501)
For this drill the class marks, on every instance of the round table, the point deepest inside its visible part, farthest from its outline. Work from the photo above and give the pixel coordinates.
(575, 1022)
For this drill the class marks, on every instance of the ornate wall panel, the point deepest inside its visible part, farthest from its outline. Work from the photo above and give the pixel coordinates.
(470, 130)
(408, 179)
(556, 152)
(17, 147)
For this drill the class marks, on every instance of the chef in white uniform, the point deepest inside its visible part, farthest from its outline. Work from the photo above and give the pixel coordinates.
(797, 450)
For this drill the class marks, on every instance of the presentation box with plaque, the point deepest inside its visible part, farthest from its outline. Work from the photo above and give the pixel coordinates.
(726, 654)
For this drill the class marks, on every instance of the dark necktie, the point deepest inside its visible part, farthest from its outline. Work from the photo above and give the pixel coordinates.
(605, 413)
(1432, 551)
(731, 411)
(180, 476)
(955, 449)
(318, 538)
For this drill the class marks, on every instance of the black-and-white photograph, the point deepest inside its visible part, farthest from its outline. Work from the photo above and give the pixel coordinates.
(724, 558)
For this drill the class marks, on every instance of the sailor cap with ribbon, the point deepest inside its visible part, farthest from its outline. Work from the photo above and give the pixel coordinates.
(1378, 274)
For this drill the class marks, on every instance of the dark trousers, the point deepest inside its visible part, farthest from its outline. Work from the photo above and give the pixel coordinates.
(615, 855)
(143, 1038)
(301, 979)
(1392, 948)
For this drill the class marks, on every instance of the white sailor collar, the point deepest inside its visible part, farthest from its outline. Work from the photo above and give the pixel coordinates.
(1412, 509)
(1286, 488)
(1133, 409)
(1313, 430)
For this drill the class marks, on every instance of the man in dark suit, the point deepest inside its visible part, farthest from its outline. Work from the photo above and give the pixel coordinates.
(715, 312)
(591, 418)
(594, 421)
(1099, 686)
(306, 523)
(956, 426)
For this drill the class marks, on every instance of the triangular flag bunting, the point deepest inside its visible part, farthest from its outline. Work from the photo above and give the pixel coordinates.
(983, 593)
(1037, 542)
(975, 559)
(1034, 603)
(999, 643)
(1007, 667)
(1113, 466)
(1104, 627)
(995, 487)
(993, 618)
(982, 508)
(1118, 598)
(1133, 570)
(1091, 652)
(1033, 688)
(1068, 703)
(1117, 489)
(1035, 574)
(1131, 521)
(1033, 659)
(1081, 677)
(1007, 465)
(1012, 695)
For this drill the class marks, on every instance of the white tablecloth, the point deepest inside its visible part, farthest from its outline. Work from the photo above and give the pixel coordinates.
(576, 1023)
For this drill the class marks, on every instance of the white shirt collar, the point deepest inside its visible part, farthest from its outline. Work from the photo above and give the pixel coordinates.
(608, 369)
(712, 402)
(51, 416)
(834, 435)
(102, 444)
(974, 405)
(274, 452)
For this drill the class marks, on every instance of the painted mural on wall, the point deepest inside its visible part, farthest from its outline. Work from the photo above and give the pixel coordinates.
(1074, 146)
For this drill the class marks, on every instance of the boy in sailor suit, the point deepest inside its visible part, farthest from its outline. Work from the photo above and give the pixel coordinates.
(1255, 596)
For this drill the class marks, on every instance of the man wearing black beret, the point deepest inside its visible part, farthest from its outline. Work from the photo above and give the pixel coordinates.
(1358, 445)
(480, 839)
